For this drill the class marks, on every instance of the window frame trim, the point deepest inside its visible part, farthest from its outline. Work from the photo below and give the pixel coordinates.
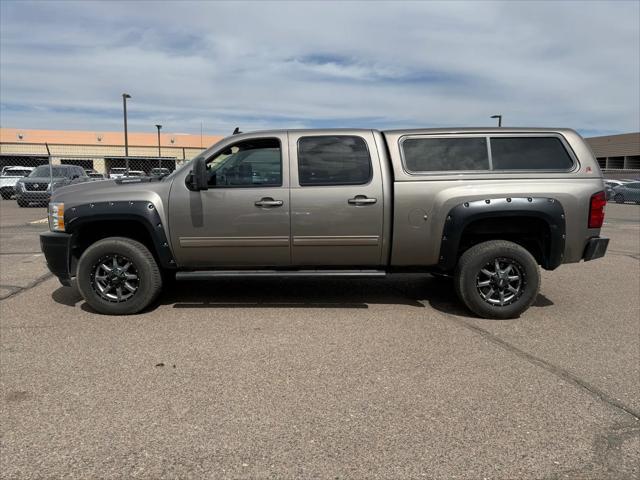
(574, 159)
(364, 140)
(567, 148)
(407, 170)
(217, 152)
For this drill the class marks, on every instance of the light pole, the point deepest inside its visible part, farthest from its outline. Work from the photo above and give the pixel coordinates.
(126, 137)
(499, 117)
(159, 152)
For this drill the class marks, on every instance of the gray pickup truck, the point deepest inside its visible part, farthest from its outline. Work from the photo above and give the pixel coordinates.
(484, 206)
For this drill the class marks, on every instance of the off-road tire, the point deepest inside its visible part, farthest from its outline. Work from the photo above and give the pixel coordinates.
(477, 258)
(148, 272)
(618, 198)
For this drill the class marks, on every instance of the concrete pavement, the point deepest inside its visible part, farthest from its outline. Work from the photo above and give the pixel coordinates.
(329, 379)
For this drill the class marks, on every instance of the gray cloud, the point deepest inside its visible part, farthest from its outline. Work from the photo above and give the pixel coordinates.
(271, 64)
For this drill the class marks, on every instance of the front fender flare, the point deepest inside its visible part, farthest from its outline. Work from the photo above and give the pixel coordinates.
(143, 212)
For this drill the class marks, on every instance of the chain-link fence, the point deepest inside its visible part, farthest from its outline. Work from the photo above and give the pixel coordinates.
(64, 164)
(99, 162)
(626, 174)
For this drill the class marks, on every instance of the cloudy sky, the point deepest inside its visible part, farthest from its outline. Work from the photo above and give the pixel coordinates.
(64, 65)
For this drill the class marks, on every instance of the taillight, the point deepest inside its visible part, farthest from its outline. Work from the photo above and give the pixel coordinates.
(596, 209)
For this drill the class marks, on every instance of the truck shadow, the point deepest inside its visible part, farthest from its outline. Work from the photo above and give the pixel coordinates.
(287, 293)
(411, 290)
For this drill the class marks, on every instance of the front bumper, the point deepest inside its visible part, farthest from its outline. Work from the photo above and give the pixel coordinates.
(33, 197)
(596, 248)
(56, 247)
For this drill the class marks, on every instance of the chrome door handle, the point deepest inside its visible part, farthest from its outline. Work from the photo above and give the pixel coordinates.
(362, 200)
(269, 202)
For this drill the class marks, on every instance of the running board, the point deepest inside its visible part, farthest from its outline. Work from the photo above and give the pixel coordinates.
(204, 274)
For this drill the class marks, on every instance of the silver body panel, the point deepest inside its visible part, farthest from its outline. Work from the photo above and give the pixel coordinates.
(325, 228)
(316, 226)
(223, 226)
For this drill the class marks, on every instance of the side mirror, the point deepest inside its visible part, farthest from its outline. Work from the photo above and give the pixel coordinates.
(199, 176)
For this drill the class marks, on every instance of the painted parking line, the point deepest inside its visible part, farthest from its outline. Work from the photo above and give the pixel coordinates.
(42, 220)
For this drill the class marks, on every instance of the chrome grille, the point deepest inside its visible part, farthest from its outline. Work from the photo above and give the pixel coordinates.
(36, 187)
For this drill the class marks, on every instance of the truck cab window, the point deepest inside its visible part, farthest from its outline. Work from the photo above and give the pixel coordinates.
(252, 163)
(333, 160)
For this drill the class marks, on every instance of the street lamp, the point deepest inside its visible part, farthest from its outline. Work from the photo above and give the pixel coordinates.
(159, 152)
(499, 117)
(126, 137)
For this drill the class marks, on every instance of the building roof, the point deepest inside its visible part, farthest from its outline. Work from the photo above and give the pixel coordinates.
(626, 144)
(136, 139)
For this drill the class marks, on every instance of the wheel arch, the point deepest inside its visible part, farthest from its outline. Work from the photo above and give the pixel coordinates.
(138, 220)
(536, 223)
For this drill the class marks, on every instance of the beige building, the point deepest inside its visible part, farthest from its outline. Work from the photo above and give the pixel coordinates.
(102, 151)
(615, 152)
(99, 151)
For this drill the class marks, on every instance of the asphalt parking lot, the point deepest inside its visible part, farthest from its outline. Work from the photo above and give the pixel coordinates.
(321, 379)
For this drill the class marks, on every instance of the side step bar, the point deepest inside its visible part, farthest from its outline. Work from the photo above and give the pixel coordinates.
(205, 274)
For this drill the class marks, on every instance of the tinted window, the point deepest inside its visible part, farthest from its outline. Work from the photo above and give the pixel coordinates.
(333, 160)
(45, 171)
(529, 153)
(246, 164)
(443, 154)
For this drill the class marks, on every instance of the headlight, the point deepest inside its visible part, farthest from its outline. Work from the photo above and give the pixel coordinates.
(56, 217)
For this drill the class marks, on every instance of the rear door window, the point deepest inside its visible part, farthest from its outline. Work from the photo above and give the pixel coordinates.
(429, 154)
(529, 153)
(333, 160)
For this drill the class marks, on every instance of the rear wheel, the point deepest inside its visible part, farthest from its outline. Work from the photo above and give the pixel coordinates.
(618, 198)
(6, 194)
(118, 276)
(497, 279)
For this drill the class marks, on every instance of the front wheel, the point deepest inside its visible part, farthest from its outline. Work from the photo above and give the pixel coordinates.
(118, 276)
(23, 204)
(618, 198)
(497, 279)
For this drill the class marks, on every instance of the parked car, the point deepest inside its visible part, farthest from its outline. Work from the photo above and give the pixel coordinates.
(96, 176)
(37, 187)
(9, 178)
(159, 172)
(135, 173)
(485, 206)
(627, 192)
(117, 172)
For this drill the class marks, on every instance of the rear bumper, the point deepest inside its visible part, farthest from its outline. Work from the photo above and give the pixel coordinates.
(596, 248)
(56, 247)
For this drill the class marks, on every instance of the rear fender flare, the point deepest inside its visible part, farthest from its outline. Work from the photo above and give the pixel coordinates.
(459, 217)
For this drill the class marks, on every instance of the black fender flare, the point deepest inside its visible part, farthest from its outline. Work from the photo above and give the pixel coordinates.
(459, 217)
(140, 211)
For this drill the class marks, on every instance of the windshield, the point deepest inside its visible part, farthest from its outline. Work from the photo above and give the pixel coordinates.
(43, 171)
(16, 173)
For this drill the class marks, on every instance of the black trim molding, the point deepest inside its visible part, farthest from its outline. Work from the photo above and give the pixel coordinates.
(547, 209)
(140, 211)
